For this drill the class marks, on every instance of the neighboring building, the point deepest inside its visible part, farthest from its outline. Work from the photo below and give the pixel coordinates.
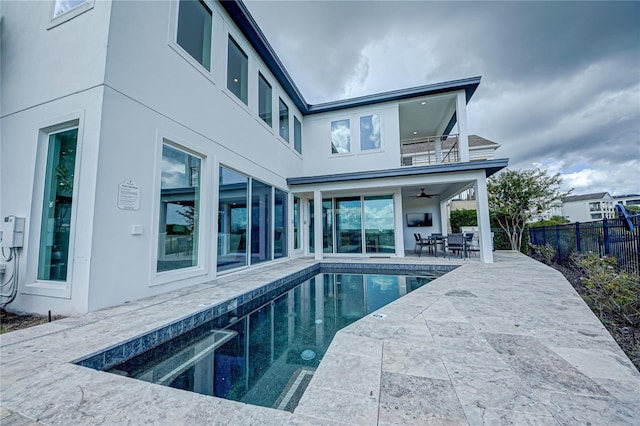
(627, 200)
(587, 207)
(157, 145)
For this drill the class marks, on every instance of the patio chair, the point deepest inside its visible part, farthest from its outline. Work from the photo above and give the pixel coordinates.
(427, 242)
(419, 244)
(473, 243)
(456, 243)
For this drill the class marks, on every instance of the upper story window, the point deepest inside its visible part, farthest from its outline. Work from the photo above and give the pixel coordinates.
(237, 70)
(369, 132)
(594, 206)
(194, 31)
(297, 135)
(64, 6)
(265, 105)
(340, 136)
(284, 120)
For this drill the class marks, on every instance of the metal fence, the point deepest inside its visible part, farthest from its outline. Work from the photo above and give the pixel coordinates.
(606, 237)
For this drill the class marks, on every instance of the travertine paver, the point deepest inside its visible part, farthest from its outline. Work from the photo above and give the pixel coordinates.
(506, 343)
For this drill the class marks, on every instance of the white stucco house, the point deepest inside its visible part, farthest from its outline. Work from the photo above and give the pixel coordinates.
(151, 146)
(588, 207)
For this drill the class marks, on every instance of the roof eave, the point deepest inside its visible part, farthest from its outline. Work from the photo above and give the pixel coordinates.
(243, 19)
(489, 166)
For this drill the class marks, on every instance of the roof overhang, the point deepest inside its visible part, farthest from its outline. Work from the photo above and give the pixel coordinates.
(489, 166)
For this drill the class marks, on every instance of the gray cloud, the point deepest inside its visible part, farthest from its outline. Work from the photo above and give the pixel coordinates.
(561, 80)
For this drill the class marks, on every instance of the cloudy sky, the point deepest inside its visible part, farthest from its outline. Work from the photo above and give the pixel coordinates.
(560, 83)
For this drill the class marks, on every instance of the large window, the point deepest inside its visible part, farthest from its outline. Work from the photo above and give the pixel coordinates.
(281, 225)
(237, 69)
(327, 226)
(284, 120)
(53, 260)
(265, 105)
(340, 137)
(232, 219)
(379, 224)
(296, 223)
(297, 135)
(179, 210)
(194, 30)
(369, 132)
(260, 221)
(349, 225)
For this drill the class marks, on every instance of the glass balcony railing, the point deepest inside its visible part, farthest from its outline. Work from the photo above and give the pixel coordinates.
(430, 150)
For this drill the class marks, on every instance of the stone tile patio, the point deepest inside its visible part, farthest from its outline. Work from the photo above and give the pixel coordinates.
(506, 343)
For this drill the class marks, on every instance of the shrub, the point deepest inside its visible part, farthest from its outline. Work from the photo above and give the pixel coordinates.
(613, 295)
(546, 253)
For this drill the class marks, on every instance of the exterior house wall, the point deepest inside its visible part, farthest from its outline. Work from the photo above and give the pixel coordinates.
(41, 65)
(317, 141)
(585, 210)
(114, 70)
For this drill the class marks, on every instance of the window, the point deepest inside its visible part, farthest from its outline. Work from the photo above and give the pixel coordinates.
(284, 120)
(340, 137)
(280, 239)
(369, 132)
(64, 6)
(348, 225)
(53, 260)
(297, 135)
(179, 210)
(265, 106)
(327, 226)
(261, 207)
(232, 219)
(194, 31)
(296, 223)
(237, 68)
(594, 206)
(596, 215)
(379, 224)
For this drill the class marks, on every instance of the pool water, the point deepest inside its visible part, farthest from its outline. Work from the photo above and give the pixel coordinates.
(266, 351)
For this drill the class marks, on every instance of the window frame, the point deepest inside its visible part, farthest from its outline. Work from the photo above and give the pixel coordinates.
(34, 286)
(369, 150)
(69, 14)
(243, 88)
(172, 40)
(262, 77)
(202, 267)
(288, 127)
(332, 146)
(297, 142)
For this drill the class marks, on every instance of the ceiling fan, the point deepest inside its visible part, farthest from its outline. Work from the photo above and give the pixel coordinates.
(423, 194)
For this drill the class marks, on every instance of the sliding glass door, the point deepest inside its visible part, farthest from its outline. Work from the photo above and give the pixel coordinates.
(355, 217)
(349, 225)
(232, 219)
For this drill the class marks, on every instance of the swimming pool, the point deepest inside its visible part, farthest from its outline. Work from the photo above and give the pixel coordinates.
(262, 348)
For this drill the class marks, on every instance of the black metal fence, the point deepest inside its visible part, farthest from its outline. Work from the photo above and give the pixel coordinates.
(607, 237)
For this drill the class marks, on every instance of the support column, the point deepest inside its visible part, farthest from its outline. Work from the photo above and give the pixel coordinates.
(317, 225)
(484, 224)
(398, 222)
(461, 115)
(444, 218)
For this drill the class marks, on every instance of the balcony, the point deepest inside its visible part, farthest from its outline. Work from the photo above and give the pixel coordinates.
(430, 150)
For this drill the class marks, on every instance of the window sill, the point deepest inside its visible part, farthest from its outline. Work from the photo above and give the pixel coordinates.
(70, 14)
(59, 289)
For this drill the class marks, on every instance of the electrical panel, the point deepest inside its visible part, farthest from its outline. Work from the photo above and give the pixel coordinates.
(12, 231)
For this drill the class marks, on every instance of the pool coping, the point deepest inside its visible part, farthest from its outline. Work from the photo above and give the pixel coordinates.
(504, 342)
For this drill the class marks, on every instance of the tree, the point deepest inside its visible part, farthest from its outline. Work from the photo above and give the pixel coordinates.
(516, 196)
